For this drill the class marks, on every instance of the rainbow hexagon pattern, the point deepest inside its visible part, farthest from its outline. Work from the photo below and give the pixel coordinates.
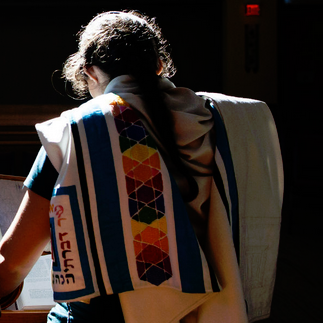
(144, 184)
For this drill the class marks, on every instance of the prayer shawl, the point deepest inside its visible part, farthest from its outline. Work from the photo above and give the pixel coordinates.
(254, 147)
(246, 166)
(118, 221)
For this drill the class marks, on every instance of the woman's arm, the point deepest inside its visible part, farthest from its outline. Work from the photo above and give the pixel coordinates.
(24, 241)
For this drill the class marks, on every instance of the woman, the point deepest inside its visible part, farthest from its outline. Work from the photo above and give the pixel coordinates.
(125, 153)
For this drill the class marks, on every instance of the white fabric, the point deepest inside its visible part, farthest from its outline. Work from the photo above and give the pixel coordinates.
(258, 167)
(257, 161)
(195, 141)
(72, 261)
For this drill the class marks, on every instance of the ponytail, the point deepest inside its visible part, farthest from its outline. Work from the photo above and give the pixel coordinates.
(162, 120)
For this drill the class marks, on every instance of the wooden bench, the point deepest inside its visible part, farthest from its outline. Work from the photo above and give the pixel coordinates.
(9, 316)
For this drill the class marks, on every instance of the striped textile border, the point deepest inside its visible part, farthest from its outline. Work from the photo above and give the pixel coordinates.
(230, 200)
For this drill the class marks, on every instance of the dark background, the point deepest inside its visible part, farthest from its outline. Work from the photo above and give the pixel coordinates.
(36, 38)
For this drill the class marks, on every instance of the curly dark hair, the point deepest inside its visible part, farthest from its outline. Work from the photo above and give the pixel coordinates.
(119, 43)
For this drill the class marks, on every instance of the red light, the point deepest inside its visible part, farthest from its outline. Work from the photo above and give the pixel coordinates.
(252, 10)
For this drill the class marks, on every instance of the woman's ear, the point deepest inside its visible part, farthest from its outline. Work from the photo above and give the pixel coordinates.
(97, 80)
(91, 72)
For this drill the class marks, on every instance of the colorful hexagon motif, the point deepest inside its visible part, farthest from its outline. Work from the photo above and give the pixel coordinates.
(144, 185)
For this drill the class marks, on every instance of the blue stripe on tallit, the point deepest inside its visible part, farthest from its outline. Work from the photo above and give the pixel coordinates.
(89, 289)
(223, 146)
(108, 203)
(55, 257)
(189, 257)
(86, 204)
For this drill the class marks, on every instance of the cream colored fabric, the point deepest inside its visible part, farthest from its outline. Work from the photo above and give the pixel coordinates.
(256, 156)
(258, 168)
(164, 305)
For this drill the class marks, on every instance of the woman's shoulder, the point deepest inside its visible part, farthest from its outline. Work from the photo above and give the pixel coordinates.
(102, 102)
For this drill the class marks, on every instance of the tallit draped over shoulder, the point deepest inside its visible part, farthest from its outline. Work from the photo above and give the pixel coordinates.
(220, 225)
(117, 218)
(195, 139)
(256, 157)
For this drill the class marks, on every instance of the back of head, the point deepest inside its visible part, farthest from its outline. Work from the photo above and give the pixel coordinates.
(119, 43)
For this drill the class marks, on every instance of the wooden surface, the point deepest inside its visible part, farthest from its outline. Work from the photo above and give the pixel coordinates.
(23, 316)
(12, 178)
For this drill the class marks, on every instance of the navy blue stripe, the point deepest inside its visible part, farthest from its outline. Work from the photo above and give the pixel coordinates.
(86, 203)
(56, 263)
(223, 146)
(108, 203)
(189, 257)
(89, 289)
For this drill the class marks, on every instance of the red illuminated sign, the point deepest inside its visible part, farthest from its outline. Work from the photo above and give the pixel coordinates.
(252, 10)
